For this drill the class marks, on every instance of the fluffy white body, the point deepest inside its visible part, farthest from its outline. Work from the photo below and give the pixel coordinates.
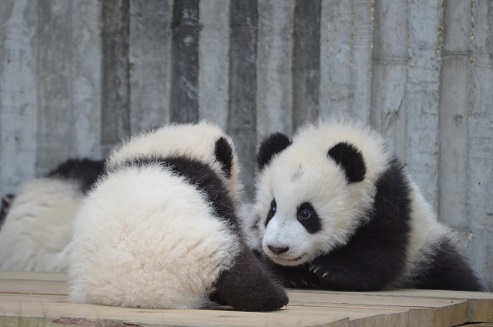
(144, 238)
(160, 229)
(38, 227)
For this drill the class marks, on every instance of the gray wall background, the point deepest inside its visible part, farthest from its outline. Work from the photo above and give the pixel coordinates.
(78, 76)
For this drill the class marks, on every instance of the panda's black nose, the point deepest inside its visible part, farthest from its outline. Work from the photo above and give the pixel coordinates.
(277, 249)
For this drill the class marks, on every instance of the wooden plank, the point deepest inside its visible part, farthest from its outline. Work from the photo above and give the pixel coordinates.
(306, 61)
(242, 121)
(166, 317)
(422, 96)
(479, 304)
(115, 115)
(389, 74)
(185, 61)
(453, 114)
(274, 79)
(214, 61)
(150, 63)
(22, 275)
(480, 143)
(18, 93)
(34, 287)
(422, 311)
(359, 315)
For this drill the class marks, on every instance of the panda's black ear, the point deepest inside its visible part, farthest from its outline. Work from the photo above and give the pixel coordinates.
(350, 159)
(270, 146)
(224, 155)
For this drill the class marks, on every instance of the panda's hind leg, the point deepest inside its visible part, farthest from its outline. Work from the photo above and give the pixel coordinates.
(449, 270)
(247, 286)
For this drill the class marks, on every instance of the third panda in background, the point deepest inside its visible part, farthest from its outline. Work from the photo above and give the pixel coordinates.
(335, 209)
(37, 227)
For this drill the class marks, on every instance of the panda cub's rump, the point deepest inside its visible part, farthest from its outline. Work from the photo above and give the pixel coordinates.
(160, 229)
(335, 209)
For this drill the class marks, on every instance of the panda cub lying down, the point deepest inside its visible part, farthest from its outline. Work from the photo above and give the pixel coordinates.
(335, 209)
(159, 229)
(36, 233)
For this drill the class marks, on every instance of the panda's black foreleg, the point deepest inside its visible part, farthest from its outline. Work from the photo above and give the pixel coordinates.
(362, 265)
(247, 286)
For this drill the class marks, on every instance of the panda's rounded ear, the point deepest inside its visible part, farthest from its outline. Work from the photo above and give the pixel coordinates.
(224, 155)
(350, 159)
(270, 146)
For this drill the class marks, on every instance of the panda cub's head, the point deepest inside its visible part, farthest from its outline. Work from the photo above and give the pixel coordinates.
(313, 191)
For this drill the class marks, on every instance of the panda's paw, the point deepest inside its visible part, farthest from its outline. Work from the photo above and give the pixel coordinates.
(277, 300)
(320, 271)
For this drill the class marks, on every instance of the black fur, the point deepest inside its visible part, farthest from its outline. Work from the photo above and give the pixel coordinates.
(85, 171)
(246, 285)
(448, 270)
(272, 211)
(375, 254)
(203, 178)
(312, 225)
(224, 155)
(350, 160)
(4, 209)
(270, 146)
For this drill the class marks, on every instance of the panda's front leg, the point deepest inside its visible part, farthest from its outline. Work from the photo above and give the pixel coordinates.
(334, 276)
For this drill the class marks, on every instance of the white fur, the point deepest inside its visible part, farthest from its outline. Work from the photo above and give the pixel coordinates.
(303, 172)
(38, 226)
(197, 141)
(145, 237)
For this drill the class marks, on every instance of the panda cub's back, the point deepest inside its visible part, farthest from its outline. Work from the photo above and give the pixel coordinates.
(141, 238)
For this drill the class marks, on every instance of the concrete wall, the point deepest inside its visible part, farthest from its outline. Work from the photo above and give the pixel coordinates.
(78, 76)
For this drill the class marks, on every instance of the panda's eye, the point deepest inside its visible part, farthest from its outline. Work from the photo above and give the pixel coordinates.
(305, 212)
(273, 207)
(308, 217)
(272, 212)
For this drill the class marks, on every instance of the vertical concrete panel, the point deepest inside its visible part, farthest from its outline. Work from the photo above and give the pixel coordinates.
(86, 77)
(336, 92)
(274, 79)
(389, 74)
(361, 59)
(214, 61)
(306, 61)
(480, 143)
(150, 63)
(455, 79)
(115, 115)
(54, 87)
(18, 100)
(242, 122)
(185, 61)
(422, 95)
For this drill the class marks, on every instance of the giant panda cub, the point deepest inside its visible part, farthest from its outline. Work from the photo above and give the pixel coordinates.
(335, 209)
(36, 233)
(160, 230)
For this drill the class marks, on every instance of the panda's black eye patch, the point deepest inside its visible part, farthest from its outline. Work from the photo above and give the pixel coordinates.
(308, 217)
(272, 211)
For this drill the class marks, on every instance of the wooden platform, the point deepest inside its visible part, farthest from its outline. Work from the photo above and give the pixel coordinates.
(34, 299)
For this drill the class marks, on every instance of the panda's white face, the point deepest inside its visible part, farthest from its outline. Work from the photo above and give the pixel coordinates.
(306, 206)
